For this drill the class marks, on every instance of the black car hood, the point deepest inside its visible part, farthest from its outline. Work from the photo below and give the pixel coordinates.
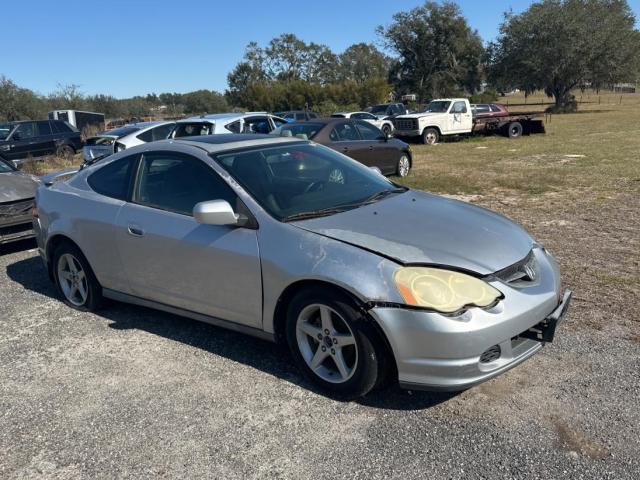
(17, 186)
(419, 228)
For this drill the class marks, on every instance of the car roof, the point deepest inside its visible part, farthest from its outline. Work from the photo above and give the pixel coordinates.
(196, 120)
(142, 125)
(323, 120)
(27, 121)
(231, 141)
(227, 116)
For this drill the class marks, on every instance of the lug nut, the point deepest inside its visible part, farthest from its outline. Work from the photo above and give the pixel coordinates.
(319, 336)
(324, 349)
(333, 352)
(335, 341)
(326, 332)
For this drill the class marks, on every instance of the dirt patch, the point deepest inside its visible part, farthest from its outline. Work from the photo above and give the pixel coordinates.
(465, 198)
(573, 440)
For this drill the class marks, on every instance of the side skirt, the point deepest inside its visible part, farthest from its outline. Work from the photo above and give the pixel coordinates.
(236, 327)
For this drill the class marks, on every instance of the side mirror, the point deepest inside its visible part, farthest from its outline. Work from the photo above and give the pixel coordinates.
(215, 212)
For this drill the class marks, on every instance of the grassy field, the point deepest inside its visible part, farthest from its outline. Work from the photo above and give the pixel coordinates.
(576, 189)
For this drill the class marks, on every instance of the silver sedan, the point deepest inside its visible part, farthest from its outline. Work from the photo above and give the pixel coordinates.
(287, 240)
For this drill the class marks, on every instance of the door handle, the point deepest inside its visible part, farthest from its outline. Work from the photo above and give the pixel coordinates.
(135, 231)
(370, 147)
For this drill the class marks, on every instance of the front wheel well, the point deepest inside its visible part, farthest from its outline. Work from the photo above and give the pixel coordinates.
(436, 128)
(280, 313)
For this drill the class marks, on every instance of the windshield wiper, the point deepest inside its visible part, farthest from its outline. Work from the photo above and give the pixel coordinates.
(343, 208)
(315, 213)
(381, 194)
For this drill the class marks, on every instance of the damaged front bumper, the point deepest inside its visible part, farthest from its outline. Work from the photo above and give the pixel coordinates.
(436, 352)
(15, 221)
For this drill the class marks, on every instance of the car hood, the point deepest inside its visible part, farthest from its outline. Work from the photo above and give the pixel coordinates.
(420, 115)
(17, 186)
(419, 228)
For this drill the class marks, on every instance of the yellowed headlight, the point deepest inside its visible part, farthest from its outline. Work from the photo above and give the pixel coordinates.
(443, 290)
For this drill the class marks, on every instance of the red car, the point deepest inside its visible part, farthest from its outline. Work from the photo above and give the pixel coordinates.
(489, 110)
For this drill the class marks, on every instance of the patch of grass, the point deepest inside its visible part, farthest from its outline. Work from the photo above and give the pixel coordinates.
(52, 163)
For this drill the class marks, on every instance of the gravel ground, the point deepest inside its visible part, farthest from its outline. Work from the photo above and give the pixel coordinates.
(134, 393)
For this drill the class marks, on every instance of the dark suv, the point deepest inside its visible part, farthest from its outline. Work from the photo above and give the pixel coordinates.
(19, 140)
(386, 110)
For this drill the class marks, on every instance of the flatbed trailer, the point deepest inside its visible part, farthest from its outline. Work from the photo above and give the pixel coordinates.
(511, 125)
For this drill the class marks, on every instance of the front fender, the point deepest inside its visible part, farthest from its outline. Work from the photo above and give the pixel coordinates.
(301, 255)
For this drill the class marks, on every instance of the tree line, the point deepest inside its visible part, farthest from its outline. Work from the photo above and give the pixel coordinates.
(431, 51)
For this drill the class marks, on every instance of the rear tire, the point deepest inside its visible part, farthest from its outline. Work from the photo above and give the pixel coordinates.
(333, 344)
(65, 151)
(74, 278)
(514, 130)
(404, 166)
(430, 136)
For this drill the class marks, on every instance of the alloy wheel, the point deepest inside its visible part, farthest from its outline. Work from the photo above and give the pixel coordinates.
(326, 343)
(336, 176)
(72, 279)
(403, 166)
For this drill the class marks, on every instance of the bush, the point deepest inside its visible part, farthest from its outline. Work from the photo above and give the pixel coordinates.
(488, 96)
(327, 107)
(570, 106)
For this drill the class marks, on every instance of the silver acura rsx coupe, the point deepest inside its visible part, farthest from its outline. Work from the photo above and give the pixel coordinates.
(290, 241)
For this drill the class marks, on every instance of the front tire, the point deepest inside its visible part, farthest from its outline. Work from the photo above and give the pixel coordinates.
(333, 344)
(74, 279)
(430, 136)
(386, 129)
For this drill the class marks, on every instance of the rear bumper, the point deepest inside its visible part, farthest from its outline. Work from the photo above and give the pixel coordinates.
(434, 352)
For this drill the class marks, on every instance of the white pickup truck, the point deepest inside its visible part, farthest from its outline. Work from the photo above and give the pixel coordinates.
(454, 116)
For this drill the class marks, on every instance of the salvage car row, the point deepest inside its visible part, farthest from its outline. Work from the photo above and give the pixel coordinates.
(359, 137)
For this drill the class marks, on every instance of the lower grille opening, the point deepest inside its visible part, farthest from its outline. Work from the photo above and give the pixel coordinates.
(14, 229)
(491, 354)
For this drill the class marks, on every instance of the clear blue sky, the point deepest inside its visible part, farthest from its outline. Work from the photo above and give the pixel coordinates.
(126, 48)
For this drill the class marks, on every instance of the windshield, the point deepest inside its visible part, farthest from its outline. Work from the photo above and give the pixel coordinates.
(379, 109)
(302, 180)
(5, 130)
(5, 167)
(437, 106)
(304, 130)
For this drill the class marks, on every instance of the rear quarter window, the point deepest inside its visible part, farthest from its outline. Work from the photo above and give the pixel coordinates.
(113, 180)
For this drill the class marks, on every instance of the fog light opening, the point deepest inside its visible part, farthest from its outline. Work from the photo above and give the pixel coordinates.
(491, 354)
